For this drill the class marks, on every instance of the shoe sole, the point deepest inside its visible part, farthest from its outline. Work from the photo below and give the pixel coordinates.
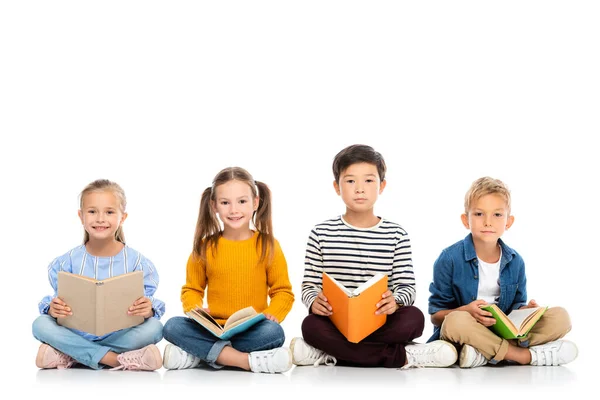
(291, 358)
(157, 355)
(292, 344)
(462, 356)
(166, 356)
(40, 356)
(455, 355)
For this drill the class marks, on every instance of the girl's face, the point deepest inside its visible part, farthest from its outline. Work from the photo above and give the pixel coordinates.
(235, 205)
(101, 215)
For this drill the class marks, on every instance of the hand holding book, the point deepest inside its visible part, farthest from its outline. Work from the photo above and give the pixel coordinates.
(387, 305)
(532, 304)
(59, 309)
(321, 306)
(484, 317)
(141, 307)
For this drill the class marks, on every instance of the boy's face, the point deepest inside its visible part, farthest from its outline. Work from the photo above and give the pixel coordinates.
(488, 218)
(359, 187)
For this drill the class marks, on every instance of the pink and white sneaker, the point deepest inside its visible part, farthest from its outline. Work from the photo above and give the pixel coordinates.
(49, 357)
(145, 359)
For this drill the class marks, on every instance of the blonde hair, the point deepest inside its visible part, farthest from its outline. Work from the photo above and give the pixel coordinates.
(208, 228)
(484, 186)
(104, 185)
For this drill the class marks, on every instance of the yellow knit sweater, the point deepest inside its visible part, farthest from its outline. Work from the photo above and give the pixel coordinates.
(236, 279)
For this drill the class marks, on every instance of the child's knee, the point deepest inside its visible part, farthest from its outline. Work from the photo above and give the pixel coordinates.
(41, 327)
(172, 328)
(274, 331)
(560, 319)
(453, 323)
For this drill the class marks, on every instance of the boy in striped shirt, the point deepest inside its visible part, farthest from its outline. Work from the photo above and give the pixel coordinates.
(352, 248)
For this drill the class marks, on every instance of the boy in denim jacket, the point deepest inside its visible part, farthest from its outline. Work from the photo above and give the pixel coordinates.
(482, 269)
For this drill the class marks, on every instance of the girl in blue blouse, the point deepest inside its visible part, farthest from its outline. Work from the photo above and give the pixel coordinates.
(102, 255)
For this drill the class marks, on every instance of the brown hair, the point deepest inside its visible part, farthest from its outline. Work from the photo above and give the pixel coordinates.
(104, 185)
(208, 228)
(484, 186)
(358, 153)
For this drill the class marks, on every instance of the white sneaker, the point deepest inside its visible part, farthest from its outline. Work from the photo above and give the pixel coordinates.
(305, 354)
(271, 361)
(558, 352)
(175, 358)
(470, 357)
(438, 353)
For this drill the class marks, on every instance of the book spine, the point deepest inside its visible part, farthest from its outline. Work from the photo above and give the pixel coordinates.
(99, 308)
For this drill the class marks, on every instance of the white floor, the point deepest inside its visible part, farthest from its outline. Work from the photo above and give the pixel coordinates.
(549, 382)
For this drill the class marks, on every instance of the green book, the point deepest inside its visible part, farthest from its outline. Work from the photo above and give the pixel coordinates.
(515, 325)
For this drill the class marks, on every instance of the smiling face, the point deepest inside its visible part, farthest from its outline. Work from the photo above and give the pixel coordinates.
(488, 218)
(359, 187)
(101, 215)
(235, 206)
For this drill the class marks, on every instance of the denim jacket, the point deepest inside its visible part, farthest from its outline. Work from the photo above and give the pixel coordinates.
(455, 279)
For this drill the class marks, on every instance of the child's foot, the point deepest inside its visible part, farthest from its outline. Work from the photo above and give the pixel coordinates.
(558, 352)
(438, 353)
(145, 359)
(305, 354)
(175, 358)
(470, 357)
(49, 357)
(271, 361)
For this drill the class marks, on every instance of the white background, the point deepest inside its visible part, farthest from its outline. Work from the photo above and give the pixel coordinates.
(159, 96)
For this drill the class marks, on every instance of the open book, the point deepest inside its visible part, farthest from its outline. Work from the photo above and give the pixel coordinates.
(516, 324)
(354, 310)
(100, 307)
(238, 322)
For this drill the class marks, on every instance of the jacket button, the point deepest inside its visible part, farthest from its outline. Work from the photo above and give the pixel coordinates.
(475, 276)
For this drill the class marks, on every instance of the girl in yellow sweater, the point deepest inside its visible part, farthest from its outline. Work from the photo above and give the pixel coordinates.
(241, 267)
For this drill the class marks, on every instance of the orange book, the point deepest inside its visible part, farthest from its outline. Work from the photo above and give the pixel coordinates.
(354, 310)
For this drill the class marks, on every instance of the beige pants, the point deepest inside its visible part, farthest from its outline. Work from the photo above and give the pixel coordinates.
(459, 327)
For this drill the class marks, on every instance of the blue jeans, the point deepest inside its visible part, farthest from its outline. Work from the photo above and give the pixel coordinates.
(88, 352)
(188, 335)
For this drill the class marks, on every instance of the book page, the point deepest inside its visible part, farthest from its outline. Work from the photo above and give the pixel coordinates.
(204, 319)
(520, 317)
(239, 317)
(342, 287)
(376, 278)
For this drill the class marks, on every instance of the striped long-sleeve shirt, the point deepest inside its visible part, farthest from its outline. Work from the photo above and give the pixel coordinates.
(79, 261)
(353, 255)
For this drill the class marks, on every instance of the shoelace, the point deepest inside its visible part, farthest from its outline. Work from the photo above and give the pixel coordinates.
(424, 352)
(64, 361)
(320, 357)
(325, 359)
(131, 360)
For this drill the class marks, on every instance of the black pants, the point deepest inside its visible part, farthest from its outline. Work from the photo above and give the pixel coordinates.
(383, 348)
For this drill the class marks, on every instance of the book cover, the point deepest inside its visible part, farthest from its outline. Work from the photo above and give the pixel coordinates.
(100, 307)
(517, 323)
(354, 310)
(239, 321)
